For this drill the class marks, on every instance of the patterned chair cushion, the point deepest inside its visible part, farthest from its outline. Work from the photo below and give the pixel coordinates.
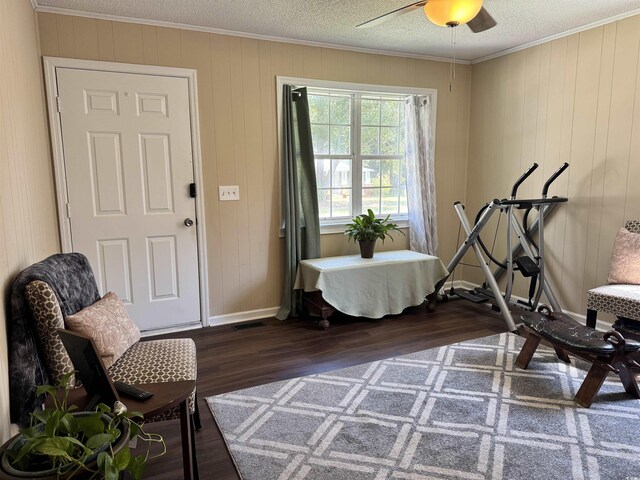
(108, 323)
(619, 300)
(625, 259)
(155, 361)
(48, 318)
(633, 226)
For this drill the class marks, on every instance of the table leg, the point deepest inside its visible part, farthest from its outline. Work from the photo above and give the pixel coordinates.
(186, 428)
(432, 300)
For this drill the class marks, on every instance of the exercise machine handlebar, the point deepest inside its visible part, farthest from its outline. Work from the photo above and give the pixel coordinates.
(524, 176)
(553, 178)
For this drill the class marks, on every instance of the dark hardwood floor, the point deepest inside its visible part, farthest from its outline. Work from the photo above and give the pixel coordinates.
(230, 359)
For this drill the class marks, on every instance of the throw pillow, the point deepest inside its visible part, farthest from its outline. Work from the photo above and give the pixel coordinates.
(108, 324)
(48, 318)
(625, 260)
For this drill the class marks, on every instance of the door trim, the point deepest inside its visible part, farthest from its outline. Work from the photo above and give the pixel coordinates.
(51, 64)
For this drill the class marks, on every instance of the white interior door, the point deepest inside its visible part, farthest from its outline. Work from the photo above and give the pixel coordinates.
(128, 158)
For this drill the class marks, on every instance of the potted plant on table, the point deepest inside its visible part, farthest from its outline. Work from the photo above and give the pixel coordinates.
(367, 228)
(62, 443)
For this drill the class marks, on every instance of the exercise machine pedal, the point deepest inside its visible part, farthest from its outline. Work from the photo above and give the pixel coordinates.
(527, 266)
(470, 295)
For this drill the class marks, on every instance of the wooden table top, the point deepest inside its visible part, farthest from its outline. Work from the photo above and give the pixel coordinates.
(166, 395)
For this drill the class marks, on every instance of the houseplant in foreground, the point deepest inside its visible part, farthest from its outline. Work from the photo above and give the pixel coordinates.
(367, 228)
(64, 443)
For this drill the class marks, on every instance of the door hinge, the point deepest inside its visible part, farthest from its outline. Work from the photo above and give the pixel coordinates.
(59, 104)
(68, 210)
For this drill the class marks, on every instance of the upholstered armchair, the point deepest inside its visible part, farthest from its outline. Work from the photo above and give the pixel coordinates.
(43, 296)
(619, 299)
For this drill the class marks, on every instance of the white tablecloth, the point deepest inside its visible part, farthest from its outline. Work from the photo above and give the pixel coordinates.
(372, 287)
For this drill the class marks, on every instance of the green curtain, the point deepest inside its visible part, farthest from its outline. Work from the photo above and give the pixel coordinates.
(299, 194)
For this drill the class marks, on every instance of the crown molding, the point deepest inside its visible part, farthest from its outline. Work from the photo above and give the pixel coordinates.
(233, 33)
(34, 4)
(573, 31)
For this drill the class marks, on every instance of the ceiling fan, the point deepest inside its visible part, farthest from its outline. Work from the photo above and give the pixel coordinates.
(449, 13)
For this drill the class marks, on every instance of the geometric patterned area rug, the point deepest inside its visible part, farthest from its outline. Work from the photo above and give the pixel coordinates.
(463, 411)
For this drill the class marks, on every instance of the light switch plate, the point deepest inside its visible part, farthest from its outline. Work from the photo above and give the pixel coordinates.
(229, 192)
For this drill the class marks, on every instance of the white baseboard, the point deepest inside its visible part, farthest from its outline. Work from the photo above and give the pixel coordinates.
(162, 331)
(238, 317)
(600, 324)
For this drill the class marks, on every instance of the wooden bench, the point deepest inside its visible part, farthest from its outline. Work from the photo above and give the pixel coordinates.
(607, 353)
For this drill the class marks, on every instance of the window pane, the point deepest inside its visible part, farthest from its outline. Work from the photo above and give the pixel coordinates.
(370, 112)
(402, 173)
(323, 173)
(390, 198)
(318, 109)
(387, 169)
(369, 142)
(401, 139)
(340, 140)
(403, 201)
(340, 111)
(320, 135)
(324, 203)
(341, 200)
(371, 173)
(389, 141)
(341, 173)
(371, 199)
(390, 113)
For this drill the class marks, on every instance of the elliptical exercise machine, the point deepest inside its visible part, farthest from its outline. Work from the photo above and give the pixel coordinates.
(530, 265)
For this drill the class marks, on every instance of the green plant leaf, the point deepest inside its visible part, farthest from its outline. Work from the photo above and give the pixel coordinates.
(58, 446)
(48, 389)
(96, 441)
(69, 423)
(105, 463)
(136, 467)
(122, 458)
(90, 425)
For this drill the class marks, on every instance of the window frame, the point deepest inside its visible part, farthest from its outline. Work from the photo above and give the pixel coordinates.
(329, 226)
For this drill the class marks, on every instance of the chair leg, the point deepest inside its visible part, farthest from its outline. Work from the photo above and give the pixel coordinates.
(592, 316)
(591, 385)
(528, 349)
(187, 441)
(196, 414)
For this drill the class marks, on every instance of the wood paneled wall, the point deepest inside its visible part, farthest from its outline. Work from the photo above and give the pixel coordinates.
(576, 99)
(236, 91)
(28, 228)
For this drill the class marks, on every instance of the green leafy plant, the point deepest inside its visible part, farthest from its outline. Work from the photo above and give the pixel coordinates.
(75, 444)
(368, 228)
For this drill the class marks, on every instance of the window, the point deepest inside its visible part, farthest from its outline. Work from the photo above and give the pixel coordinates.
(358, 142)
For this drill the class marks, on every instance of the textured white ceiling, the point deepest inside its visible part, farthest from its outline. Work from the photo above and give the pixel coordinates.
(520, 22)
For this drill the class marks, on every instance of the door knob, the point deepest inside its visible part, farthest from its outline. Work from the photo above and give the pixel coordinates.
(188, 222)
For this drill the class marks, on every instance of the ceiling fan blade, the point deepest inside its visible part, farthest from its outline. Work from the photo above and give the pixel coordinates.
(481, 22)
(394, 13)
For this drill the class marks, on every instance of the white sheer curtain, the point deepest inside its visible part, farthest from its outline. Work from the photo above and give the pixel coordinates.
(421, 180)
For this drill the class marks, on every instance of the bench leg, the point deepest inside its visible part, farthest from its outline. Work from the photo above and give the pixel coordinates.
(591, 385)
(562, 355)
(592, 316)
(627, 377)
(528, 349)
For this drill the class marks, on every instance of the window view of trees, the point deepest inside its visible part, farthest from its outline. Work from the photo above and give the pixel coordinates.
(358, 142)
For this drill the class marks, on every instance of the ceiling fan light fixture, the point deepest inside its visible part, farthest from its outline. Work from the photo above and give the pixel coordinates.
(451, 13)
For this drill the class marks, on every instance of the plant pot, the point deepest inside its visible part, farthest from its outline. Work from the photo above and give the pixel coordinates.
(7, 472)
(367, 248)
